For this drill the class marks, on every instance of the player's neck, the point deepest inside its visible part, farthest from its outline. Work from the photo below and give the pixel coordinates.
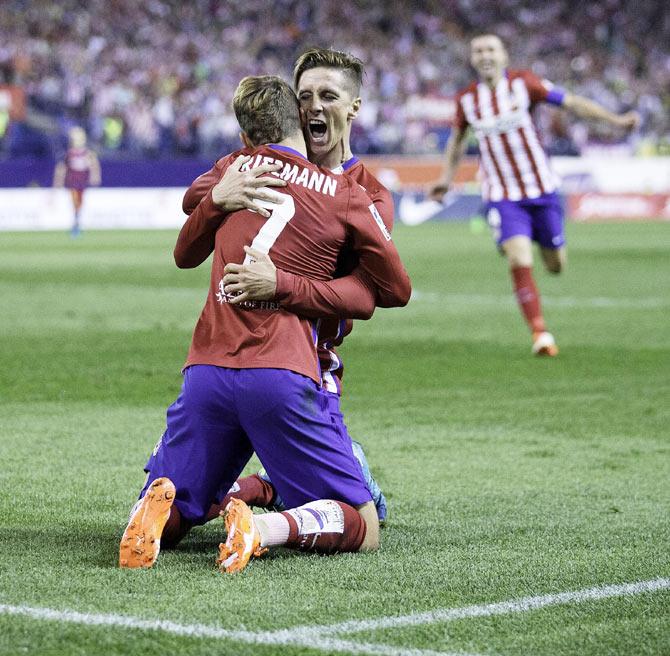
(335, 157)
(493, 79)
(296, 142)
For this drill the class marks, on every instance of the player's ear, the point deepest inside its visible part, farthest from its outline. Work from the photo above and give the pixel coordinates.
(244, 138)
(354, 109)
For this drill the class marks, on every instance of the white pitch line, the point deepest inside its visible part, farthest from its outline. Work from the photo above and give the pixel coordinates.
(319, 637)
(280, 638)
(487, 610)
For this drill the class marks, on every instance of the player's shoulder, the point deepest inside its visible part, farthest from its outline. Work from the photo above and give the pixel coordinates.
(471, 88)
(230, 157)
(524, 74)
(366, 179)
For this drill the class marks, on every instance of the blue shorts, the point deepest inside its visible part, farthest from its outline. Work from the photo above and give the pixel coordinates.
(540, 219)
(223, 415)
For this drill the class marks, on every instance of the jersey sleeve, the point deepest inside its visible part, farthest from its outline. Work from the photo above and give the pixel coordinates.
(384, 203)
(378, 256)
(353, 295)
(542, 90)
(196, 238)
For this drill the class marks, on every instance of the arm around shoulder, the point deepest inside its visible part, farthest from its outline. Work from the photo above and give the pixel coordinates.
(196, 238)
(351, 296)
(378, 256)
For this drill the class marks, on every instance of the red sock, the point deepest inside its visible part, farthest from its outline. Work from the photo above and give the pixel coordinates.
(326, 527)
(253, 490)
(528, 298)
(175, 529)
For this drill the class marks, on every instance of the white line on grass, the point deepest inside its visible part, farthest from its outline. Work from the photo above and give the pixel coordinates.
(649, 302)
(319, 637)
(284, 637)
(487, 610)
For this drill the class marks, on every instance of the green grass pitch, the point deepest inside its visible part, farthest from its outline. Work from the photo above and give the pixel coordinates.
(507, 476)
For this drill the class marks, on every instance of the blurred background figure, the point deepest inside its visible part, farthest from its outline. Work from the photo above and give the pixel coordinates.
(76, 171)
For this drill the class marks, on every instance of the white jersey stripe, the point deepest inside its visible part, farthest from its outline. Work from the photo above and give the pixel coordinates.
(498, 153)
(548, 181)
(507, 102)
(537, 153)
(513, 162)
(492, 185)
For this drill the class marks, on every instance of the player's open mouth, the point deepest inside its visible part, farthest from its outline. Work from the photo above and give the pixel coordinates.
(318, 131)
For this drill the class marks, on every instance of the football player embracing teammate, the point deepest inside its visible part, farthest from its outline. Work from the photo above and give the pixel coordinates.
(251, 380)
(327, 83)
(518, 185)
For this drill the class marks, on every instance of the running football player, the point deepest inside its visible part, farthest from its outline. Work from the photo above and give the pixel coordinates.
(518, 186)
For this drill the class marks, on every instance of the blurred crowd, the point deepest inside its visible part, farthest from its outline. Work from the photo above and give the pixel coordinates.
(156, 78)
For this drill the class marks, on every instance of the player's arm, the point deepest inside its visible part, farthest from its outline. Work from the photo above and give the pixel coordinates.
(196, 237)
(545, 91)
(225, 188)
(453, 153)
(59, 174)
(378, 256)
(589, 109)
(352, 295)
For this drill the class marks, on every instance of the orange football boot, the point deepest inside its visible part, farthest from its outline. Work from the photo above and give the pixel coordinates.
(141, 541)
(243, 541)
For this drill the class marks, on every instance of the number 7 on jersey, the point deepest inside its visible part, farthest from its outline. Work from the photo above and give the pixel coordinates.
(282, 213)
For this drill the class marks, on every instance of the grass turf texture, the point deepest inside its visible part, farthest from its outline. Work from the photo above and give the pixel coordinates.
(507, 476)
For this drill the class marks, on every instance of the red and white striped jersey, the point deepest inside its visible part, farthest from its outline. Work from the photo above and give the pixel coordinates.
(513, 162)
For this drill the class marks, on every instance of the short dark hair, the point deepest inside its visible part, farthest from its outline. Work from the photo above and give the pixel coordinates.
(327, 58)
(266, 109)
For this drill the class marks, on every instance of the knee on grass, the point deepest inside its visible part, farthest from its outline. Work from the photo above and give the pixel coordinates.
(368, 513)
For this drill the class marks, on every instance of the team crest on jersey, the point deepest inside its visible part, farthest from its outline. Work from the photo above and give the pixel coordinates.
(224, 297)
(380, 222)
(221, 295)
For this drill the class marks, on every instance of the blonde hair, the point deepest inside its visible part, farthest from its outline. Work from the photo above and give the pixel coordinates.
(351, 66)
(266, 109)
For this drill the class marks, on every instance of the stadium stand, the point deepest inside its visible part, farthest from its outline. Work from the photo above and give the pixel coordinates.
(155, 79)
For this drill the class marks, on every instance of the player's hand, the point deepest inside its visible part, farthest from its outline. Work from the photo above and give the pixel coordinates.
(238, 190)
(256, 281)
(437, 192)
(629, 120)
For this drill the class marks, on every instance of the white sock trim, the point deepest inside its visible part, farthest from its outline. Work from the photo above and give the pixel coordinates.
(273, 528)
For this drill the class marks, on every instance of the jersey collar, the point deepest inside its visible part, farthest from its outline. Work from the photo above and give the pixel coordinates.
(286, 149)
(345, 166)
